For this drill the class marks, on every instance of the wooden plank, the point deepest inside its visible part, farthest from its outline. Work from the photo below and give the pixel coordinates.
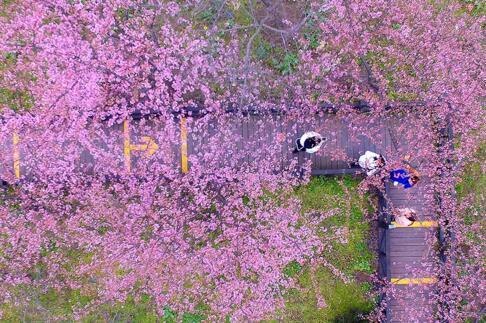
(411, 240)
(404, 314)
(324, 155)
(367, 144)
(271, 133)
(285, 146)
(409, 193)
(279, 122)
(404, 274)
(312, 125)
(411, 260)
(421, 315)
(413, 298)
(249, 136)
(245, 137)
(416, 233)
(403, 236)
(357, 147)
(318, 172)
(406, 293)
(291, 141)
(349, 148)
(416, 243)
(307, 126)
(390, 141)
(252, 143)
(410, 265)
(335, 140)
(343, 139)
(416, 264)
(374, 137)
(298, 133)
(237, 130)
(191, 141)
(409, 252)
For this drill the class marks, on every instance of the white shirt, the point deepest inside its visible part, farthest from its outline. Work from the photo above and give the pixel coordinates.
(311, 134)
(369, 162)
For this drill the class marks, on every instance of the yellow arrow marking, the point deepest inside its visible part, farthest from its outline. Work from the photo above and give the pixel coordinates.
(415, 281)
(184, 165)
(149, 146)
(16, 155)
(417, 224)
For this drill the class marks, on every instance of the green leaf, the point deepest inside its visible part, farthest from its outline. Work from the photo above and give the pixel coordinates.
(169, 315)
(193, 318)
(292, 269)
(289, 64)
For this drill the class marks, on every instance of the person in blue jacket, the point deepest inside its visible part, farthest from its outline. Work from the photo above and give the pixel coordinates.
(407, 177)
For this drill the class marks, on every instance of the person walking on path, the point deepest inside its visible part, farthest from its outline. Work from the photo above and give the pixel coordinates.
(310, 142)
(407, 176)
(405, 217)
(371, 162)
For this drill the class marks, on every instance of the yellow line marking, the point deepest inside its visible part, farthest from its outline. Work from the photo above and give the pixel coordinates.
(16, 155)
(126, 145)
(415, 281)
(418, 224)
(184, 165)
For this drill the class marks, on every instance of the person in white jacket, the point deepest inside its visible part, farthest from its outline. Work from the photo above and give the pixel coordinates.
(371, 162)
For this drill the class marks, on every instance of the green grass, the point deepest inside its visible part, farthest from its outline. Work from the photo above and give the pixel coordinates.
(473, 181)
(345, 302)
(53, 305)
(471, 191)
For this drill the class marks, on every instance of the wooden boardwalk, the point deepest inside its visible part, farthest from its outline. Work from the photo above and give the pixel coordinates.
(190, 143)
(275, 138)
(410, 256)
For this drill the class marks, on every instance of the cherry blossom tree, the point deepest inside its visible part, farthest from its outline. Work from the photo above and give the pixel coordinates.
(77, 71)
